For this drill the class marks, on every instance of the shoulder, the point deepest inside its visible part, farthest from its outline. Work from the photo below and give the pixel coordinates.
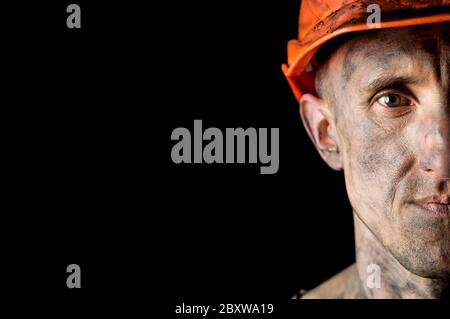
(344, 285)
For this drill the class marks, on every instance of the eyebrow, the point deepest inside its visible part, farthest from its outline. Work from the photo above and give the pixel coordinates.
(386, 81)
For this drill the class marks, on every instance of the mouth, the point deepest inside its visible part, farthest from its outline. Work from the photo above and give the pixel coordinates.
(435, 206)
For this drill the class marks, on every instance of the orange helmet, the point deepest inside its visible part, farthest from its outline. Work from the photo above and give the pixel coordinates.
(322, 20)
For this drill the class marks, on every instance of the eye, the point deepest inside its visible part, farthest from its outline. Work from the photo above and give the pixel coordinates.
(392, 100)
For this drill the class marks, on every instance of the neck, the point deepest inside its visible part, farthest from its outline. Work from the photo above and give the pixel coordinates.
(394, 280)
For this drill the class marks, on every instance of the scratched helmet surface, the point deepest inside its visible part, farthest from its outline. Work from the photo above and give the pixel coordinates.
(322, 20)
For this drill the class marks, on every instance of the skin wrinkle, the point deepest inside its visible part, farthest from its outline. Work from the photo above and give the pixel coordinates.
(388, 159)
(393, 188)
(349, 68)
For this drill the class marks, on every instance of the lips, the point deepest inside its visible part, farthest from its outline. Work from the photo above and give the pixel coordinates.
(436, 205)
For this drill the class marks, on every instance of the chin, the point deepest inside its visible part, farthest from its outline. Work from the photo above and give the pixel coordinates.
(428, 260)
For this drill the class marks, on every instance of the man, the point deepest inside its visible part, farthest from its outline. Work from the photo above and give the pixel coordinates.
(376, 103)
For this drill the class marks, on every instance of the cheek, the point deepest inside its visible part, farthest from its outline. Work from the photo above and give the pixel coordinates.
(375, 163)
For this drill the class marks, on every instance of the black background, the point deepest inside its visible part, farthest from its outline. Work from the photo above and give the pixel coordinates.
(234, 233)
(88, 119)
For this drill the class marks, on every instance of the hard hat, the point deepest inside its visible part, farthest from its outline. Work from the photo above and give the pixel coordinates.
(323, 20)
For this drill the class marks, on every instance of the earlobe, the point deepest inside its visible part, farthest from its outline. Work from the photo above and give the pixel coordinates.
(316, 118)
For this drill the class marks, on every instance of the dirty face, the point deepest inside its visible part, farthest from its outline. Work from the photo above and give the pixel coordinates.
(389, 115)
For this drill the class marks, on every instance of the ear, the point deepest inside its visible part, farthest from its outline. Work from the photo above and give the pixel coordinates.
(316, 118)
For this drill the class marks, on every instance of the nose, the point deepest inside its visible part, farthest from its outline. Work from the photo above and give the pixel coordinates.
(435, 151)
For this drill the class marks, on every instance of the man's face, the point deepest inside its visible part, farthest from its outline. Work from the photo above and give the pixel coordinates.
(391, 115)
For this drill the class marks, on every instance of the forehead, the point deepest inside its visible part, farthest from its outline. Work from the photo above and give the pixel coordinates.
(403, 52)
